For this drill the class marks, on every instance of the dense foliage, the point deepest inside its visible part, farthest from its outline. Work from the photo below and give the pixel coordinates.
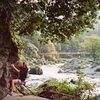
(55, 19)
(32, 51)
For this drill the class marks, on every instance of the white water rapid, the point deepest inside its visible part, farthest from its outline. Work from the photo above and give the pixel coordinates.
(51, 71)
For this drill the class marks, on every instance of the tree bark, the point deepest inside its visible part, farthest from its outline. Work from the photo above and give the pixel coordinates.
(8, 51)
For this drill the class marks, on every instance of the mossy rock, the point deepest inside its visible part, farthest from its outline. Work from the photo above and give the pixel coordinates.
(36, 70)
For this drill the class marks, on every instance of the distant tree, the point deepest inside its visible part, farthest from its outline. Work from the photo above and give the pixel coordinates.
(50, 48)
(71, 45)
(92, 45)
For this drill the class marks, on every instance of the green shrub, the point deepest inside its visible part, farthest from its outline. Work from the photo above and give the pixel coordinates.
(76, 89)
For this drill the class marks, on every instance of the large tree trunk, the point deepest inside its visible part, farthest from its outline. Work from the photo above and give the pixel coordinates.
(8, 52)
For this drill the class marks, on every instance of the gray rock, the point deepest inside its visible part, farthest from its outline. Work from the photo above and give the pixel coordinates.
(36, 70)
(30, 97)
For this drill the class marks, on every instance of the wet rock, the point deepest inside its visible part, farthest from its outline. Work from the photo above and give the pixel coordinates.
(97, 69)
(72, 81)
(36, 70)
(60, 71)
(97, 98)
(73, 64)
(46, 93)
(93, 65)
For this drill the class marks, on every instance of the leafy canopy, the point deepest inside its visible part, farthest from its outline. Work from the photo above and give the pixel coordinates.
(55, 19)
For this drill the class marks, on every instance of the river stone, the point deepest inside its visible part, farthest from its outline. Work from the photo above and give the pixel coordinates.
(72, 64)
(97, 97)
(36, 70)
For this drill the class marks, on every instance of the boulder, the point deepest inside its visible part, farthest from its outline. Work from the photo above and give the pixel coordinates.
(36, 70)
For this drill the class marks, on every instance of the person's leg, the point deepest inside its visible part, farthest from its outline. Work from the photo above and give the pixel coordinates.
(14, 82)
(12, 86)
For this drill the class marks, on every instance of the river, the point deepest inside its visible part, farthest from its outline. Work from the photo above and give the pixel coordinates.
(51, 71)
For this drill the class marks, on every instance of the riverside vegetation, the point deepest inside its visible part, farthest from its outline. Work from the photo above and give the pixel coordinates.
(58, 90)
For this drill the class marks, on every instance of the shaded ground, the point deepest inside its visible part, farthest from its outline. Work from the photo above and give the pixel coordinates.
(19, 97)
